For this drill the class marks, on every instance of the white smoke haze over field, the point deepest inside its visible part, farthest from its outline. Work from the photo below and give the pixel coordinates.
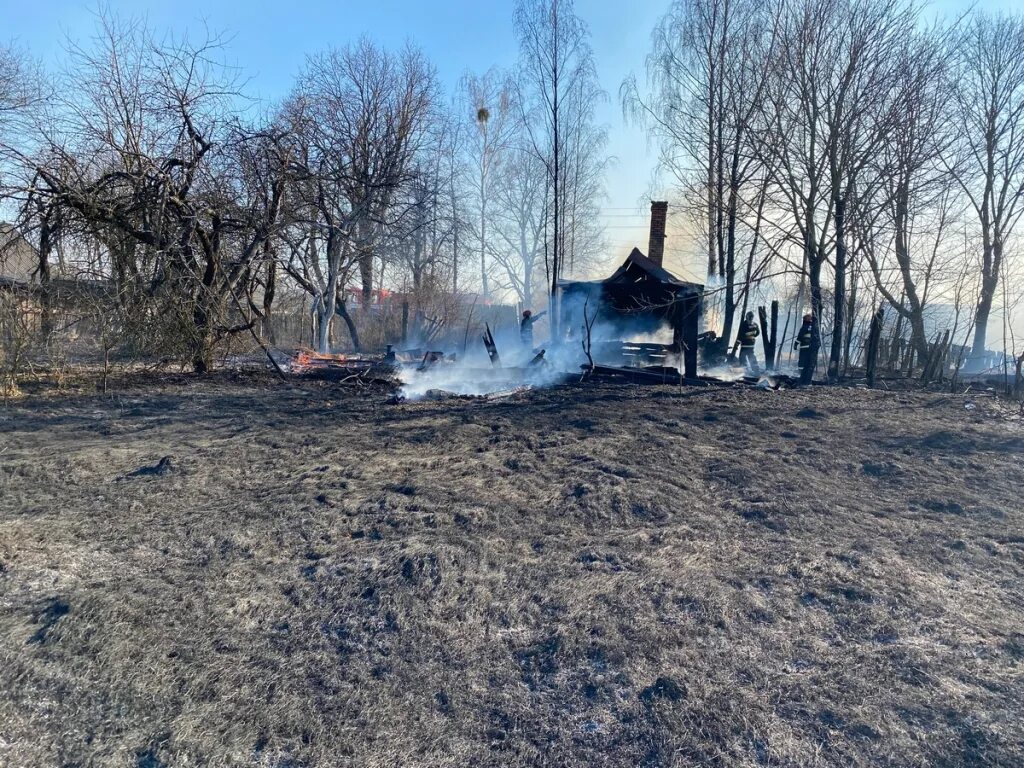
(476, 378)
(724, 372)
(473, 374)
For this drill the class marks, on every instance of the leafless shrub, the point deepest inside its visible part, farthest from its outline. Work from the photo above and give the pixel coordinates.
(18, 333)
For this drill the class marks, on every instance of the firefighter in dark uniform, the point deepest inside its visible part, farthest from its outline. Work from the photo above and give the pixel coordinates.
(710, 349)
(526, 327)
(807, 341)
(748, 334)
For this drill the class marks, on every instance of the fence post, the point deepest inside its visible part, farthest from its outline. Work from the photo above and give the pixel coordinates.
(874, 337)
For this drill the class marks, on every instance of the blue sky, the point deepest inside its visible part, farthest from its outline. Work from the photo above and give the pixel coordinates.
(269, 41)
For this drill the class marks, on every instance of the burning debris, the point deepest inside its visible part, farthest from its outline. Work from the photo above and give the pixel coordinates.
(342, 368)
(307, 361)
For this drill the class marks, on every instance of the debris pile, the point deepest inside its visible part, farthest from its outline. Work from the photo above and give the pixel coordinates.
(342, 368)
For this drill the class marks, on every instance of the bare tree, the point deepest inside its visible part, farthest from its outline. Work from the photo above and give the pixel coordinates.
(518, 242)
(858, 118)
(141, 153)
(361, 115)
(422, 231)
(560, 84)
(911, 183)
(826, 113)
(988, 163)
(489, 103)
(707, 81)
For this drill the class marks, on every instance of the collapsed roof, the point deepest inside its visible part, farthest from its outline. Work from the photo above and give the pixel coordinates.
(639, 294)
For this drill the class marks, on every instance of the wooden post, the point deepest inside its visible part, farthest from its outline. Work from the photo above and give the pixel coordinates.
(943, 360)
(936, 359)
(874, 337)
(893, 358)
(691, 320)
(768, 334)
(1018, 379)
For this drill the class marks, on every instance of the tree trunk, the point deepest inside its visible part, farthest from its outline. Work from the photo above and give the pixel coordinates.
(556, 246)
(910, 296)
(202, 352)
(851, 313)
(268, 301)
(817, 304)
(798, 307)
(455, 237)
(326, 306)
(839, 297)
(989, 283)
(323, 326)
(874, 339)
(730, 266)
(365, 262)
(45, 293)
(712, 251)
(342, 311)
(484, 288)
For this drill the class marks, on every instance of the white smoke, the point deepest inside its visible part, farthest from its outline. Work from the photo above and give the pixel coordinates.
(472, 373)
(469, 371)
(724, 372)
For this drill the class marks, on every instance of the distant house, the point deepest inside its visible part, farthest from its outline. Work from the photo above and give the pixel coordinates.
(19, 260)
(65, 302)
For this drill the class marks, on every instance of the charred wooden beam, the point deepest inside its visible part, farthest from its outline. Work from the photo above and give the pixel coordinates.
(492, 349)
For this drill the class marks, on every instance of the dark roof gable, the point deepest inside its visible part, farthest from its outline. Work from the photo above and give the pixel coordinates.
(638, 267)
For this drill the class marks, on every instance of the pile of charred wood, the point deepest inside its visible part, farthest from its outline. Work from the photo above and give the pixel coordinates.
(346, 369)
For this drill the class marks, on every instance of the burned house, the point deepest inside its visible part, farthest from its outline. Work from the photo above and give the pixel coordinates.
(642, 315)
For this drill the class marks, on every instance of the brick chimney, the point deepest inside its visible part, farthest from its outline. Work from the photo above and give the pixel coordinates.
(656, 245)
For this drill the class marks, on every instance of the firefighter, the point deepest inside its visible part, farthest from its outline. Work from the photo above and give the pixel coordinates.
(526, 327)
(710, 349)
(807, 341)
(747, 335)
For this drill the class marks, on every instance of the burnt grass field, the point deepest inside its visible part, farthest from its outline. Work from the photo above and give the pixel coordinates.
(593, 575)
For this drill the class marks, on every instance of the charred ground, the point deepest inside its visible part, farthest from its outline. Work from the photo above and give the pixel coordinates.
(581, 576)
